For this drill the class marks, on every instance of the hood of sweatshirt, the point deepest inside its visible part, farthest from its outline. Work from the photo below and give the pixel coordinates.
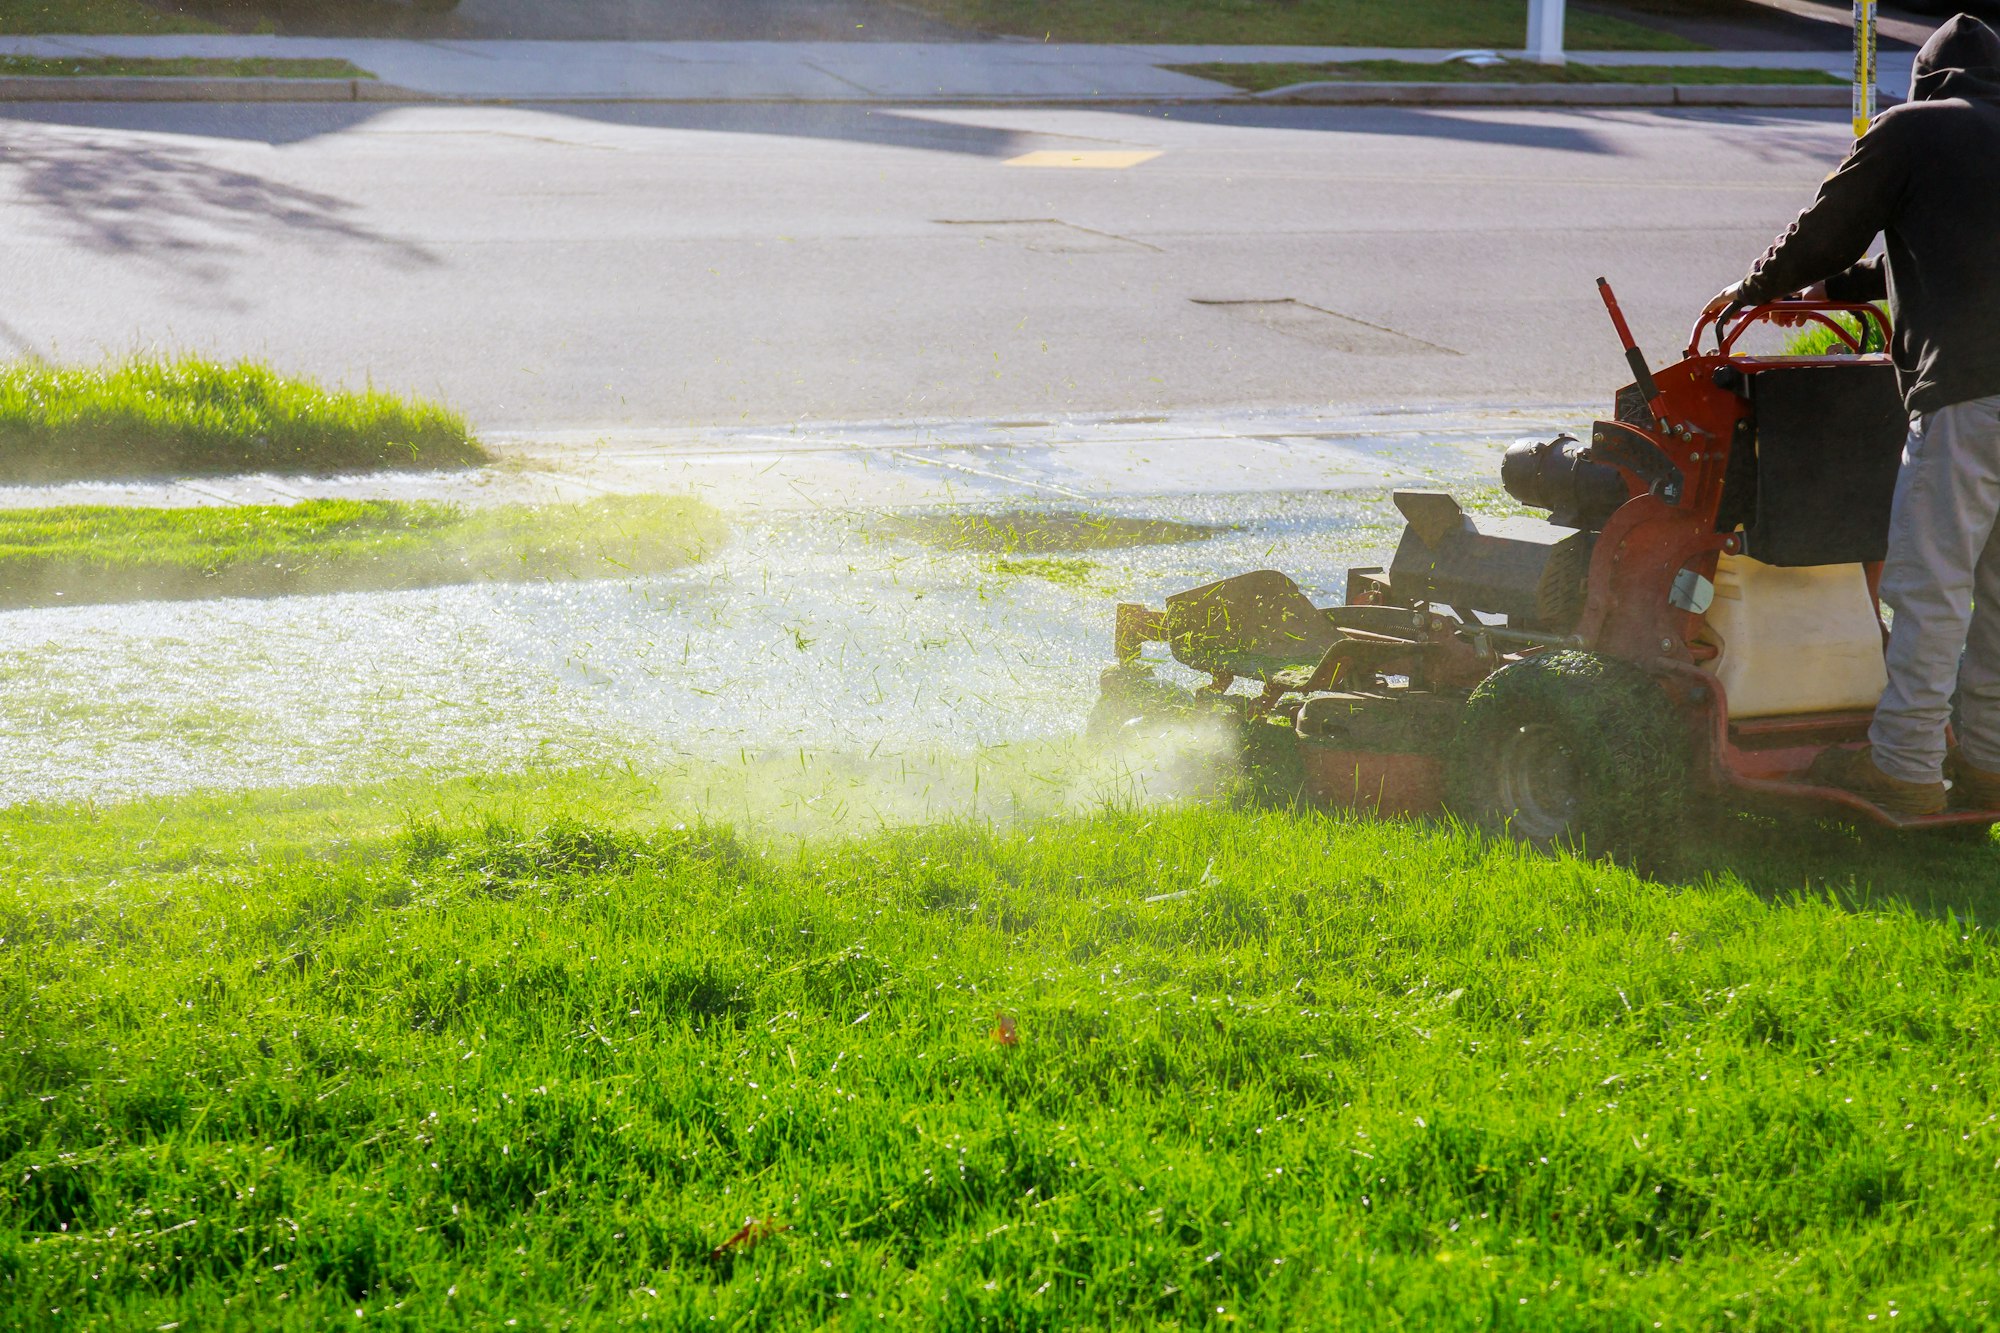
(1962, 59)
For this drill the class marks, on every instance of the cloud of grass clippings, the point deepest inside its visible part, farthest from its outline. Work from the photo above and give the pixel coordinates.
(806, 793)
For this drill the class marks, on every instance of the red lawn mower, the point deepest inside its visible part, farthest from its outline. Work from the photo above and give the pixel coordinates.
(1698, 613)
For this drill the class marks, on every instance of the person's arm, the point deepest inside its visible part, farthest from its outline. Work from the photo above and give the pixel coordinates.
(1866, 281)
(1854, 204)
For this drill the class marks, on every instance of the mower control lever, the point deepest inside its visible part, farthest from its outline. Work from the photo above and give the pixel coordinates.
(1642, 375)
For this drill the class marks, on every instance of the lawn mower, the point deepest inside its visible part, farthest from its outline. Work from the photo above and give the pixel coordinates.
(1697, 614)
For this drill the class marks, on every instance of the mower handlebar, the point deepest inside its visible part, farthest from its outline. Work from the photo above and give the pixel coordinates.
(1819, 312)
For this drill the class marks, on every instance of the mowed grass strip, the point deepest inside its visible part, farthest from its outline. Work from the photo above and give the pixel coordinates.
(93, 17)
(266, 1065)
(69, 556)
(191, 416)
(1410, 23)
(1263, 77)
(183, 67)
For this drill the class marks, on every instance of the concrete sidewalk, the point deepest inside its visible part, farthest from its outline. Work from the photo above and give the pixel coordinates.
(876, 72)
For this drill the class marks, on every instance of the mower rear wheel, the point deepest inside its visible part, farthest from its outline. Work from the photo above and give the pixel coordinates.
(1574, 750)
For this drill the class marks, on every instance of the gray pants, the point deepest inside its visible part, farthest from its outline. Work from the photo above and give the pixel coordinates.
(1942, 581)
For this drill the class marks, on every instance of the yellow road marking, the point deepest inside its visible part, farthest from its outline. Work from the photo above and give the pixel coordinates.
(1101, 161)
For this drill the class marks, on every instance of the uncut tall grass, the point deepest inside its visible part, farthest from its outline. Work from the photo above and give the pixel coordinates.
(192, 416)
(267, 1068)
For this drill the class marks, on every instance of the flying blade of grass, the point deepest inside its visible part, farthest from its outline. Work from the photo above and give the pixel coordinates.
(192, 416)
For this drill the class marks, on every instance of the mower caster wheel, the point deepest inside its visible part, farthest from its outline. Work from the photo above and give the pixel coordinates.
(1131, 695)
(1572, 750)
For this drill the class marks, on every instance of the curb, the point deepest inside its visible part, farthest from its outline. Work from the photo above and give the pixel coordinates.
(1561, 94)
(132, 88)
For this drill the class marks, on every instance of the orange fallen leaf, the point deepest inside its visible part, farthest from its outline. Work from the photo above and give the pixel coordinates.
(1003, 1030)
(746, 1235)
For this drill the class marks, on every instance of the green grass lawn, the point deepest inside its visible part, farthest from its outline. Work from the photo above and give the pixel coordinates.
(185, 67)
(92, 16)
(1417, 23)
(63, 557)
(1259, 78)
(192, 416)
(534, 1049)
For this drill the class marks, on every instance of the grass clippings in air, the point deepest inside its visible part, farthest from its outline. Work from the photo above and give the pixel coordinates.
(1025, 532)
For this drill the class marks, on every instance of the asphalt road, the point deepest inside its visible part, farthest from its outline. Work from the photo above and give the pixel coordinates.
(649, 266)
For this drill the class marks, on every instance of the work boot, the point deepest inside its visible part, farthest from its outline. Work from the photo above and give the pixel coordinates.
(1973, 788)
(1855, 771)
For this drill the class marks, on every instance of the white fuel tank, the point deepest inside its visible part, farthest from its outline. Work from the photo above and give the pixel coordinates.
(1795, 640)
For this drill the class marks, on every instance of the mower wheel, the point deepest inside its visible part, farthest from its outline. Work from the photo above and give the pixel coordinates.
(1574, 750)
(1131, 694)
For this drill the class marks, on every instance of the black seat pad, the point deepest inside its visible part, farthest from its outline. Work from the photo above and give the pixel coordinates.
(1829, 443)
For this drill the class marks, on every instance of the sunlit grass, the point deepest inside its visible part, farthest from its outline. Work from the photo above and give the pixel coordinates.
(534, 1048)
(1416, 23)
(190, 416)
(60, 557)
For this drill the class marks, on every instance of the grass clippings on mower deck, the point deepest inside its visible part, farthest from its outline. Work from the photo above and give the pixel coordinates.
(542, 1049)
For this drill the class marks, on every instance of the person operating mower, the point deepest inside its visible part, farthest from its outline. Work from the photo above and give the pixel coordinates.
(1926, 177)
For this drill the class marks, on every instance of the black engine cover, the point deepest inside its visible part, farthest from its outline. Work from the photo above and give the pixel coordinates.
(1524, 569)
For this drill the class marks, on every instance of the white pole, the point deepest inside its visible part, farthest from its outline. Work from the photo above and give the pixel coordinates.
(1864, 65)
(1545, 31)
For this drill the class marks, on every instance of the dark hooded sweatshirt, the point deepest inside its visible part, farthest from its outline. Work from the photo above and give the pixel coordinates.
(1927, 175)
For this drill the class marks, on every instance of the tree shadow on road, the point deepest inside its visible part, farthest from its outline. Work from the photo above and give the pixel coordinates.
(178, 210)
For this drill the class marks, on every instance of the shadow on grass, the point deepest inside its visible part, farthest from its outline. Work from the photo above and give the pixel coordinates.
(1932, 872)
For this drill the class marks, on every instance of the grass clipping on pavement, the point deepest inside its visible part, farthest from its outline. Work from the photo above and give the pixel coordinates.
(1407, 23)
(1263, 77)
(193, 416)
(453, 1056)
(68, 556)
